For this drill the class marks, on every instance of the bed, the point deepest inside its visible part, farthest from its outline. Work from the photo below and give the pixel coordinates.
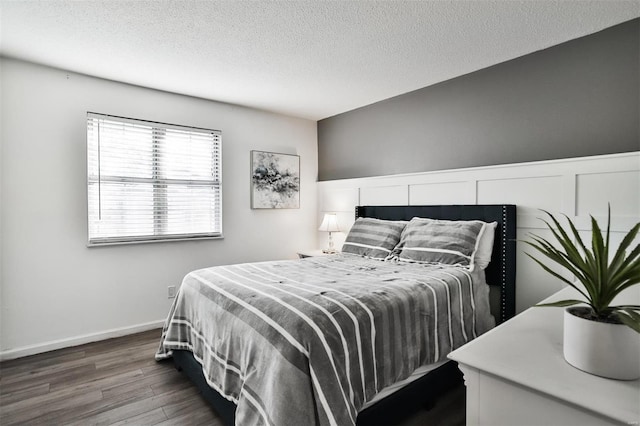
(321, 340)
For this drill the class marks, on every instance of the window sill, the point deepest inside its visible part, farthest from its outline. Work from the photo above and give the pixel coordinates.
(159, 240)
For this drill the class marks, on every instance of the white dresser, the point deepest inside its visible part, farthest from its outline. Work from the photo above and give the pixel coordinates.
(516, 375)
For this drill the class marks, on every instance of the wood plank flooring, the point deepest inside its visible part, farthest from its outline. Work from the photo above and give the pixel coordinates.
(117, 381)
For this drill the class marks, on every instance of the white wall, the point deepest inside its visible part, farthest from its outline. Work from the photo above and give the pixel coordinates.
(55, 290)
(577, 187)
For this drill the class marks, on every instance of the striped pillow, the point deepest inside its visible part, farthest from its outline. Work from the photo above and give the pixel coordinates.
(373, 238)
(441, 241)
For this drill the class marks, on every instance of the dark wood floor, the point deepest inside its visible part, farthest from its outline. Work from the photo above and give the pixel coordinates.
(117, 381)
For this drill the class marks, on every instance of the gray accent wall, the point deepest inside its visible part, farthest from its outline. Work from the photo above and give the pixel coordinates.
(579, 98)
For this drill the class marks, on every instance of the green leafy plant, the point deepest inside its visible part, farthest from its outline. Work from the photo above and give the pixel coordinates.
(602, 280)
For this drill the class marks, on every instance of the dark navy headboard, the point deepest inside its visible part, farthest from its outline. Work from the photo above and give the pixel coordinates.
(501, 272)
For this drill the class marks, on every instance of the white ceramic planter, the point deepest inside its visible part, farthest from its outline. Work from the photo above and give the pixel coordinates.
(607, 350)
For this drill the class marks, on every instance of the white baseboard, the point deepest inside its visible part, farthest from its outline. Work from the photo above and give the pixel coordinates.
(78, 340)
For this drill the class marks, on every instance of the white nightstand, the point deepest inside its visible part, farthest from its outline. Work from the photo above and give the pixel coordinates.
(516, 375)
(312, 253)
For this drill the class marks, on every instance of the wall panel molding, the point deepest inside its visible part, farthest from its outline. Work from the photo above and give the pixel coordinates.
(576, 187)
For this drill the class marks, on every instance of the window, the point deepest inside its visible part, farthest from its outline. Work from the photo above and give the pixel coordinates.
(152, 181)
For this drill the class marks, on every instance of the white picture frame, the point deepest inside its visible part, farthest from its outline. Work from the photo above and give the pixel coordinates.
(275, 180)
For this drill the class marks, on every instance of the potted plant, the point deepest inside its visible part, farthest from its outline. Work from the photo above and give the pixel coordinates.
(599, 337)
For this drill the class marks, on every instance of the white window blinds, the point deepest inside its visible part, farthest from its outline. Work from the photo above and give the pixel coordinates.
(152, 181)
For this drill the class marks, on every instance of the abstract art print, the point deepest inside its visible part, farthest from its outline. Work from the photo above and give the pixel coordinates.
(275, 180)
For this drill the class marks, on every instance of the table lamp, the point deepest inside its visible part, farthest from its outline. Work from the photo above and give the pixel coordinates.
(329, 224)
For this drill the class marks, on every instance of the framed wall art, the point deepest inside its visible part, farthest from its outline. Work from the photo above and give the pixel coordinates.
(275, 180)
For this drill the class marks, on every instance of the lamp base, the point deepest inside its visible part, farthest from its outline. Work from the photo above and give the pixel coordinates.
(329, 251)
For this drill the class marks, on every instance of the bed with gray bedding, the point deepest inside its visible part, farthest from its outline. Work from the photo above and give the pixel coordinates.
(311, 341)
(327, 332)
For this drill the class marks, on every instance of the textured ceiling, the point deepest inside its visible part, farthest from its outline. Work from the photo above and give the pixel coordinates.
(310, 59)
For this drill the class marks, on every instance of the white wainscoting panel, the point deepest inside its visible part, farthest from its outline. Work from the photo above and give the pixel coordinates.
(621, 189)
(397, 195)
(576, 187)
(442, 193)
(531, 280)
(529, 194)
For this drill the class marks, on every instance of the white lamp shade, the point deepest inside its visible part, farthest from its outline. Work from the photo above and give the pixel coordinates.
(329, 223)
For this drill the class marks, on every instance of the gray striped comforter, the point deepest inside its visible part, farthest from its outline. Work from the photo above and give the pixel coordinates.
(308, 342)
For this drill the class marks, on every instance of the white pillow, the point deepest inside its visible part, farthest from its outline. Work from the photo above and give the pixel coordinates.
(482, 255)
